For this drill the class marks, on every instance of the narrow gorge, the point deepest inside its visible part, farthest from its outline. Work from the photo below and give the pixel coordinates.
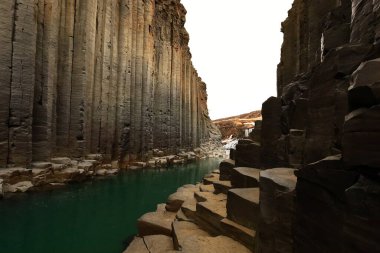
(103, 77)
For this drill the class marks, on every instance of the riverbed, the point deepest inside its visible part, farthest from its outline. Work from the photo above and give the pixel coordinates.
(93, 217)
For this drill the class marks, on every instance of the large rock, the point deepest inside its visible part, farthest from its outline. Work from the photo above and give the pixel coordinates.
(361, 137)
(277, 210)
(158, 243)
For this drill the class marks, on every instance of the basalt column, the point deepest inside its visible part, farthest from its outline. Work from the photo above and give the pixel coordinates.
(105, 76)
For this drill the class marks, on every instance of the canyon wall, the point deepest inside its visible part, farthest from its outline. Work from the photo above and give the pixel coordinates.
(324, 123)
(103, 76)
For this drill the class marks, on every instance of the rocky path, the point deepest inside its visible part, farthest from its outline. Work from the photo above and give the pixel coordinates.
(221, 214)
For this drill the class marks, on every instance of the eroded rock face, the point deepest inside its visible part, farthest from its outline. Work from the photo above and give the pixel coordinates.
(327, 112)
(111, 77)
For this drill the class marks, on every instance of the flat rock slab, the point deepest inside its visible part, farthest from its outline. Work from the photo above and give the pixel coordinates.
(243, 206)
(183, 230)
(283, 178)
(245, 177)
(209, 214)
(238, 232)
(156, 223)
(220, 244)
(225, 168)
(183, 194)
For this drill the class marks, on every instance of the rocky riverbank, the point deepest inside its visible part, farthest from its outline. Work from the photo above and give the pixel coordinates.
(221, 214)
(60, 171)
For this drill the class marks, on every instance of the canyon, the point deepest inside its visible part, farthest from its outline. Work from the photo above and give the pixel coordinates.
(90, 87)
(308, 179)
(102, 77)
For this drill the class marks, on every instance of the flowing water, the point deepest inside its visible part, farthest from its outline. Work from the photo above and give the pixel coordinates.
(94, 217)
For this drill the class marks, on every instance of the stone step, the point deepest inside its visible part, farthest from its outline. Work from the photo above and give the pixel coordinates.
(245, 177)
(156, 223)
(183, 230)
(189, 208)
(209, 196)
(222, 186)
(238, 232)
(243, 206)
(209, 215)
(225, 168)
(175, 200)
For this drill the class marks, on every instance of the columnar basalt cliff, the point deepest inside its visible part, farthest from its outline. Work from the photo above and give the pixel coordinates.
(323, 123)
(106, 76)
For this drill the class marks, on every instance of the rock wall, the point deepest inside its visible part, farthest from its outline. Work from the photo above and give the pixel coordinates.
(104, 76)
(324, 123)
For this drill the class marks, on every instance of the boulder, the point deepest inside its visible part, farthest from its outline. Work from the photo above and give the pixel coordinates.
(207, 188)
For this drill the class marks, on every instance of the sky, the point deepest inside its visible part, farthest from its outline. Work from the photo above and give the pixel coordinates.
(236, 46)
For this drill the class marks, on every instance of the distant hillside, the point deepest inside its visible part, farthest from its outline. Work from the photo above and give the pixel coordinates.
(235, 125)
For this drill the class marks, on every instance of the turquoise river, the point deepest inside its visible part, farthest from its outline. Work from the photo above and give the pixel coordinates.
(94, 217)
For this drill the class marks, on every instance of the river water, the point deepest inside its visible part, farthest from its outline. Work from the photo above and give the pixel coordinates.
(93, 217)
